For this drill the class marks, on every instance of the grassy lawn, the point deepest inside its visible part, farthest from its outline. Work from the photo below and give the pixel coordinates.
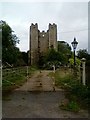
(15, 77)
(76, 93)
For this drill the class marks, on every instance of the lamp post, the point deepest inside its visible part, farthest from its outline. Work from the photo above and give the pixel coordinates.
(74, 45)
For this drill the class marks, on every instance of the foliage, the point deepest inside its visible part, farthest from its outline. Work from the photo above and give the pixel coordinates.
(53, 57)
(70, 106)
(25, 57)
(14, 77)
(65, 50)
(74, 87)
(10, 53)
(64, 47)
(82, 53)
(57, 58)
(71, 61)
(9, 40)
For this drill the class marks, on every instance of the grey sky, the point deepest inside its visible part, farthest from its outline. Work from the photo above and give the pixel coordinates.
(71, 19)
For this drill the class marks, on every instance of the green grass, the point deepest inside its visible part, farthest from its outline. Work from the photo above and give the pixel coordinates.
(13, 78)
(71, 106)
(76, 92)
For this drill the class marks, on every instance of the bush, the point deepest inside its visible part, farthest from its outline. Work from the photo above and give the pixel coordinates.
(76, 91)
(81, 92)
(70, 106)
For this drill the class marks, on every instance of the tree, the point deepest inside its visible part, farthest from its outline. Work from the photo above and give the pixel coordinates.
(10, 52)
(59, 57)
(25, 57)
(64, 47)
(53, 57)
(65, 50)
(8, 38)
(78, 61)
(82, 53)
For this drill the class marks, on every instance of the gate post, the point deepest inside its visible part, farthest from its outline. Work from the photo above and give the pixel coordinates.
(54, 68)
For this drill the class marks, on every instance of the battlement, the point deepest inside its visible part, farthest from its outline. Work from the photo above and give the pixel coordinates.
(43, 31)
(34, 25)
(52, 25)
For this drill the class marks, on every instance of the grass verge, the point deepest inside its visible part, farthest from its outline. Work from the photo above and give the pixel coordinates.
(15, 78)
(76, 93)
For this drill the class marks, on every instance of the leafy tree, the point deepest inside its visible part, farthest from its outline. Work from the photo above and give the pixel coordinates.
(8, 38)
(64, 47)
(10, 52)
(25, 57)
(65, 50)
(78, 61)
(57, 58)
(53, 58)
(82, 53)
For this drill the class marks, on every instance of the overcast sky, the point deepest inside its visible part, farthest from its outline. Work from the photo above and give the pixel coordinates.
(71, 19)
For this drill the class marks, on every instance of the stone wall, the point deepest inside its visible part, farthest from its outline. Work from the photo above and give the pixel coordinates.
(53, 36)
(40, 42)
(43, 42)
(34, 43)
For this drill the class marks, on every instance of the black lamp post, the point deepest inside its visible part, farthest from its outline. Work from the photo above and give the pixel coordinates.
(74, 45)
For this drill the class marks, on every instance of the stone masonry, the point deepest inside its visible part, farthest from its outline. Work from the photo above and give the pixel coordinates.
(40, 42)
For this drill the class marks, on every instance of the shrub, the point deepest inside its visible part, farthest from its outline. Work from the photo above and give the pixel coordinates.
(76, 91)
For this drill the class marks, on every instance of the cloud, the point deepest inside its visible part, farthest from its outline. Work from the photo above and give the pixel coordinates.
(68, 17)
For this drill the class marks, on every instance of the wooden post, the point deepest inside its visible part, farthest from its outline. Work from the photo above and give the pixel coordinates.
(27, 72)
(54, 68)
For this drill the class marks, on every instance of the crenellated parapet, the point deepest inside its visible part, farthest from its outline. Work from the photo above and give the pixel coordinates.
(53, 35)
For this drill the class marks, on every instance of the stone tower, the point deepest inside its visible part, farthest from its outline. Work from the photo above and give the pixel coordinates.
(40, 42)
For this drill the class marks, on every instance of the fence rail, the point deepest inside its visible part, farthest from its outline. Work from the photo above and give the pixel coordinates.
(11, 74)
(14, 71)
(15, 77)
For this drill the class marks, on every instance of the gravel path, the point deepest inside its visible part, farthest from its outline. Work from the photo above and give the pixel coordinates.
(36, 99)
(40, 81)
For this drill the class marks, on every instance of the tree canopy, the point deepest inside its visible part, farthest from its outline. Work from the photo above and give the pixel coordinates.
(10, 52)
(65, 51)
(57, 57)
(82, 53)
(53, 57)
(9, 39)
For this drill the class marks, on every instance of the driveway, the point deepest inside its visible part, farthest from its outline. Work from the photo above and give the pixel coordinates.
(36, 99)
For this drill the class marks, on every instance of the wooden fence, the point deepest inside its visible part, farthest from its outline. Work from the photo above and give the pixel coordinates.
(11, 72)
